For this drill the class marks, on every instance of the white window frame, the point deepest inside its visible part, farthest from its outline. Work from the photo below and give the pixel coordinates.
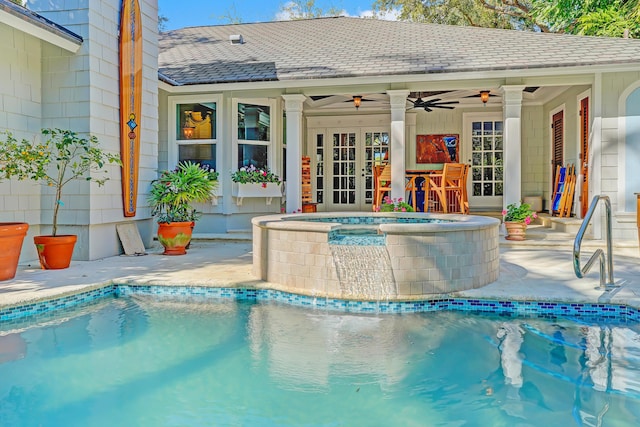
(174, 142)
(273, 122)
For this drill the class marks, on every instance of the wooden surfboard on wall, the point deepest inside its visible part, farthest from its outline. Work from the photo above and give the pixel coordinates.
(130, 101)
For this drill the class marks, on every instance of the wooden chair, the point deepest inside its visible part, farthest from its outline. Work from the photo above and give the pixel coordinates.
(416, 184)
(450, 188)
(382, 184)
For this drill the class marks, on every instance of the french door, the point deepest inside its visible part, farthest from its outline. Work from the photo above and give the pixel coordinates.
(344, 164)
(484, 151)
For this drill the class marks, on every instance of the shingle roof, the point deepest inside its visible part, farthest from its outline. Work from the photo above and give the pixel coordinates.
(354, 47)
(39, 21)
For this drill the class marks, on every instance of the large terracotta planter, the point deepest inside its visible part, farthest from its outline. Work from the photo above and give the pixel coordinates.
(175, 236)
(54, 252)
(515, 230)
(11, 238)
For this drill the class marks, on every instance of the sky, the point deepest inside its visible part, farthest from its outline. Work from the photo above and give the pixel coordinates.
(192, 13)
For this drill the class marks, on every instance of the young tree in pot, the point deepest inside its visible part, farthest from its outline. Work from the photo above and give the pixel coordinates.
(59, 158)
(171, 197)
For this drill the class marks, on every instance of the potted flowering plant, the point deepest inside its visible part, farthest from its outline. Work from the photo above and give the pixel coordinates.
(59, 158)
(253, 175)
(394, 205)
(516, 218)
(251, 181)
(171, 198)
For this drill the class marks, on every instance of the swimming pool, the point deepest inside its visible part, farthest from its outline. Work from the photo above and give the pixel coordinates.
(148, 360)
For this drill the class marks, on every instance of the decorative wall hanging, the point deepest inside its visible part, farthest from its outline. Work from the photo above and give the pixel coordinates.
(130, 101)
(437, 148)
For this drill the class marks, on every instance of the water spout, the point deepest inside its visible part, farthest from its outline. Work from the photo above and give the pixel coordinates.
(364, 272)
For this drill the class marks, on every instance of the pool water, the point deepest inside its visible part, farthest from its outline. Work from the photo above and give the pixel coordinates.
(143, 361)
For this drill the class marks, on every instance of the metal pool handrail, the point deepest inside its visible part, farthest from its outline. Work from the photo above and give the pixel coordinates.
(599, 254)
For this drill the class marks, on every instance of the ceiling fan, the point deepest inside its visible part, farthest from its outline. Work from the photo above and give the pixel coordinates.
(430, 104)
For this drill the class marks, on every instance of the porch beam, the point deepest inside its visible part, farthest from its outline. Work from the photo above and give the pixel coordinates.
(293, 105)
(512, 113)
(398, 101)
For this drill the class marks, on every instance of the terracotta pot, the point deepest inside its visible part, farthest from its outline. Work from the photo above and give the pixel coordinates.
(11, 238)
(515, 230)
(175, 236)
(55, 252)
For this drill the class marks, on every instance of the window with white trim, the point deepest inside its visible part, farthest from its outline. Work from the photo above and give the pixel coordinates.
(254, 132)
(194, 122)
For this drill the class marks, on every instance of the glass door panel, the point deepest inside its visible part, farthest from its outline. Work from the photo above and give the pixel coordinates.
(343, 153)
(486, 177)
(376, 151)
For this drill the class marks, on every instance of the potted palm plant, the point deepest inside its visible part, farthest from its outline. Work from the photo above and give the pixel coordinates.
(60, 157)
(171, 198)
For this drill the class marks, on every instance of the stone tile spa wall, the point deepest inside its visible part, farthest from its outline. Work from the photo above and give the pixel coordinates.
(428, 253)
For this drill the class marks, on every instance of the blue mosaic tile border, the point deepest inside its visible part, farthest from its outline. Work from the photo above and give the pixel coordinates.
(68, 301)
(599, 312)
(612, 312)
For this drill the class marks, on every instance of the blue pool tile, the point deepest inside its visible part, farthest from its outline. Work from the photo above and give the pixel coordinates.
(546, 309)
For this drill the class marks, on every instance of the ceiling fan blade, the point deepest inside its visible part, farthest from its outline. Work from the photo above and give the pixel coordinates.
(427, 109)
(443, 103)
(442, 106)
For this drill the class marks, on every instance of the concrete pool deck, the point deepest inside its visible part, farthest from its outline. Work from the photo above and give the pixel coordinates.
(538, 269)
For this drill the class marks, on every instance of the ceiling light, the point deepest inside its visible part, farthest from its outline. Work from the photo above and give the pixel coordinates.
(357, 99)
(484, 96)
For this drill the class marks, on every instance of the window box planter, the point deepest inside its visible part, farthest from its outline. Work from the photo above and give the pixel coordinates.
(271, 190)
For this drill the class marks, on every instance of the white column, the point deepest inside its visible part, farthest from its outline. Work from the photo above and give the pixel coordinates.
(293, 107)
(398, 101)
(512, 110)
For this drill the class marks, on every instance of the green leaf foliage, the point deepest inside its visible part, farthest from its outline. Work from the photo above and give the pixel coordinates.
(585, 17)
(172, 194)
(59, 157)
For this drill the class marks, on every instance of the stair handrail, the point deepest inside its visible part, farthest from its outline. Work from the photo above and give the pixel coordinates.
(599, 253)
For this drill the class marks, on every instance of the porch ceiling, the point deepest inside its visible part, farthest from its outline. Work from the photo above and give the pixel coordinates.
(465, 98)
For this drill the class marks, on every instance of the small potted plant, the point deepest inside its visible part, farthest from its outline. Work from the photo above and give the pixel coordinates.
(516, 218)
(394, 205)
(171, 198)
(251, 181)
(60, 157)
